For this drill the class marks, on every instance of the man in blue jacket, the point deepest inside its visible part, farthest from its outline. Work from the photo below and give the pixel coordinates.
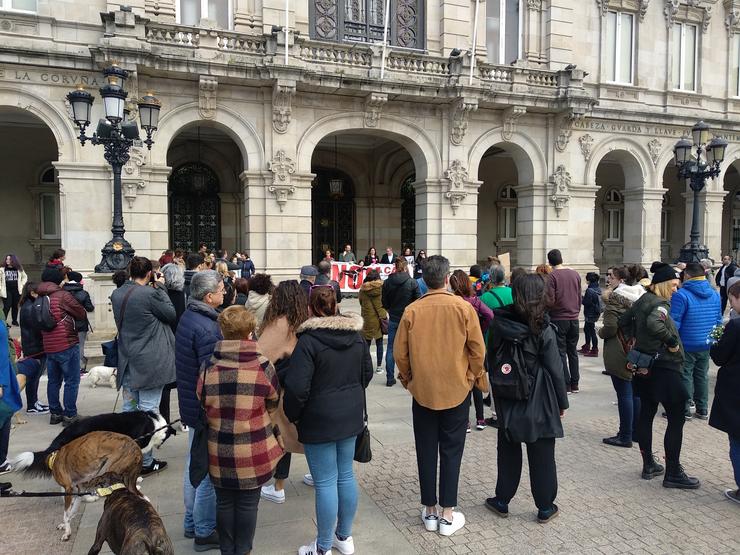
(695, 308)
(196, 337)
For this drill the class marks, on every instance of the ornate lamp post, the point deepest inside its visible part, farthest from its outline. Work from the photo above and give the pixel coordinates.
(117, 137)
(697, 170)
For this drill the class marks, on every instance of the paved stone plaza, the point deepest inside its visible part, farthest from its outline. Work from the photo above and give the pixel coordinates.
(605, 506)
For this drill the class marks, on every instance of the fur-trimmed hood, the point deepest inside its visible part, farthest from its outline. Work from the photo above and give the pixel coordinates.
(624, 295)
(347, 321)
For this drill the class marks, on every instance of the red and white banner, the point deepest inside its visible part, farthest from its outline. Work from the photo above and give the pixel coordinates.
(351, 276)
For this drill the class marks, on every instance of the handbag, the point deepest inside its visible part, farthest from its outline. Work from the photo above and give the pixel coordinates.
(110, 348)
(198, 468)
(363, 453)
(640, 363)
(383, 321)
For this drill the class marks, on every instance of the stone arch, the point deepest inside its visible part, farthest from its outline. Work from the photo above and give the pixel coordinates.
(732, 158)
(227, 120)
(426, 156)
(527, 155)
(211, 157)
(631, 155)
(58, 122)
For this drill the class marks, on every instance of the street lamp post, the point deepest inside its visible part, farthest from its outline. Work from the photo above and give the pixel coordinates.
(117, 137)
(697, 170)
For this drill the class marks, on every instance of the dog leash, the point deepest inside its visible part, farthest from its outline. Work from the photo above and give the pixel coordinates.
(98, 492)
(158, 430)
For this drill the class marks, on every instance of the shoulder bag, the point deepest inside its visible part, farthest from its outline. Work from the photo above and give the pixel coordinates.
(199, 448)
(363, 454)
(383, 321)
(110, 348)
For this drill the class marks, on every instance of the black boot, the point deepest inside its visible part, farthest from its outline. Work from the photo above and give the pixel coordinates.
(650, 467)
(676, 477)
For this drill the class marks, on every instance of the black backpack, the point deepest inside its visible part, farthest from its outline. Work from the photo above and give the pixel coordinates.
(42, 319)
(510, 379)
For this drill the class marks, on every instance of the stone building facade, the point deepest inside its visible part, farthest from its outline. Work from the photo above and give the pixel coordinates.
(286, 139)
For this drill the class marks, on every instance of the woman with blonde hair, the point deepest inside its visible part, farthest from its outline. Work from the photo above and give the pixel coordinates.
(229, 291)
(658, 376)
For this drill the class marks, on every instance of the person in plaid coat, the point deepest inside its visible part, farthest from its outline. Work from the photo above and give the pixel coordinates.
(239, 392)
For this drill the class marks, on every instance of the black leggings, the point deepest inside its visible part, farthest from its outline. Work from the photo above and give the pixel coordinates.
(236, 519)
(164, 402)
(10, 303)
(543, 475)
(673, 434)
(283, 467)
(378, 349)
(478, 403)
(589, 330)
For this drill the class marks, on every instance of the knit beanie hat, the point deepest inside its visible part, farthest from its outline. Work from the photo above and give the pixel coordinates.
(53, 275)
(662, 272)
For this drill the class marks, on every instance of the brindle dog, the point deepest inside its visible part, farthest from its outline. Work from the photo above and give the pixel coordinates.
(131, 526)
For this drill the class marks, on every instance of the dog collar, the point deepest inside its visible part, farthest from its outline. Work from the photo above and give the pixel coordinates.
(51, 459)
(104, 492)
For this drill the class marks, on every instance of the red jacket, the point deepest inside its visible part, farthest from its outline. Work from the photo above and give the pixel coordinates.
(65, 309)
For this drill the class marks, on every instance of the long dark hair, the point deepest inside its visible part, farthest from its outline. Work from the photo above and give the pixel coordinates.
(460, 284)
(531, 300)
(289, 300)
(28, 288)
(15, 263)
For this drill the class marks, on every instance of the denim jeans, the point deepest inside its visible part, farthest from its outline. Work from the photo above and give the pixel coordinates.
(200, 502)
(390, 364)
(336, 488)
(378, 349)
(735, 458)
(143, 399)
(628, 405)
(63, 367)
(589, 332)
(696, 378)
(31, 369)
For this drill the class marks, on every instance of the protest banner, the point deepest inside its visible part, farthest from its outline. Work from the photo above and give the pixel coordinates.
(351, 276)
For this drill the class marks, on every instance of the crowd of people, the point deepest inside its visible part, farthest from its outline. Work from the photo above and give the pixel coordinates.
(232, 344)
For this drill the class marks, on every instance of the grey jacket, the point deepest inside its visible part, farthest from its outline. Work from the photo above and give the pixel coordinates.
(146, 345)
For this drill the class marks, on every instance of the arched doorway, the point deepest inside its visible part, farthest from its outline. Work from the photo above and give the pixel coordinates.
(731, 214)
(194, 207)
(31, 225)
(498, 203)
(332, 211)
(363, 193)
(205, 198)
(673, 215)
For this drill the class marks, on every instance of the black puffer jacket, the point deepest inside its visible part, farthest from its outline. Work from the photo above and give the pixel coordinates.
(83, 297)
(539, 416)
(725, 413)
(32, 341)
(399, 291)
(324, 385)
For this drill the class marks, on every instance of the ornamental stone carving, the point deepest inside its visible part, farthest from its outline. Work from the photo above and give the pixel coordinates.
(459, 115)
(207, 87)
(457, 175)
(638, 6)
(587, 142)
(282, 167)
(510, 117)
(131, 175)
(282, 109)
(690, 11)
(373, 106)
(535, 5)
(566, 128)
(561, 182)
(654, 148)
(732, 21)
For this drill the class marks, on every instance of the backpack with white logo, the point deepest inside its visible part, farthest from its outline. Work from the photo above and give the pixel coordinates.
(510, 379)
(42, 318)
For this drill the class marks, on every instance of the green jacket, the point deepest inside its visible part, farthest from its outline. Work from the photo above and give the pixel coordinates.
(649, 322)
(616, 303)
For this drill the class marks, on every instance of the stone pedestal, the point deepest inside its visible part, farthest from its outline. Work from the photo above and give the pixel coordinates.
(100, 287)
(641, 234)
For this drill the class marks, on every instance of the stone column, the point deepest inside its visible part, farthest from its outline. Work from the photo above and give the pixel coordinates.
(533, 34)
(146, 214)
(531, 224)
(641, 234)
(711, 229)
(581, 216)
(86, 209)
(254, 191)
(447, 216)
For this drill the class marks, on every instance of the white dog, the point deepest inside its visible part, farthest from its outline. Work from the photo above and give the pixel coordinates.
(102, 374)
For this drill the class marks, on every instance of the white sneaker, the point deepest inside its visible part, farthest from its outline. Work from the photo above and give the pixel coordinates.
(379, 370)
(271, 494)
(311, 549)
(345, 547)
(308, 479)
(431, 522)
(447, 528)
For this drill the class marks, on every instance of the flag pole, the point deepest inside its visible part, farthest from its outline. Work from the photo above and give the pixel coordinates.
(475, 42)
(385, 37)
(287, 19)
